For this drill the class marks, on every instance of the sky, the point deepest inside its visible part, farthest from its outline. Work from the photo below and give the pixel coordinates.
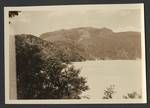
(40, 20)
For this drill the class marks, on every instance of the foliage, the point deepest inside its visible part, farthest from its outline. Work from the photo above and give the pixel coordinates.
(62, 81)
(28, 64)
(108, 92)
(13, 13)
(132, 95)
(39, 77)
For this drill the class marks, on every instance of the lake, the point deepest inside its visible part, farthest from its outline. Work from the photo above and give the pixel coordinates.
(126, 75)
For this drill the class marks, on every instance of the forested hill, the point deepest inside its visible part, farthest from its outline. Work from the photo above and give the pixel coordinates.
(66, 52)
(98, 43)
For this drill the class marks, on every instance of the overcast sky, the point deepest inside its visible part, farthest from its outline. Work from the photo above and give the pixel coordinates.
(39, 20)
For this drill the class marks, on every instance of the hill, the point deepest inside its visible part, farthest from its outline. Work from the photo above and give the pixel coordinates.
(99, 43)
(64, 51)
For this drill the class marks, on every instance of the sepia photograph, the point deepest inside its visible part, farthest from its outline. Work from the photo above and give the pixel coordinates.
(75, 54)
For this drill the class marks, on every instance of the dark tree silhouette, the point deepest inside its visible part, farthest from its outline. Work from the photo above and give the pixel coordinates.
(40, 78)
(13, 13)
(28, 64)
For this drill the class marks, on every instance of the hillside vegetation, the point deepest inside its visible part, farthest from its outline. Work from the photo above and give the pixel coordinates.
(94, 43)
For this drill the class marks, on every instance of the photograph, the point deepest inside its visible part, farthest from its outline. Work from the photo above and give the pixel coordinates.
(75, 54)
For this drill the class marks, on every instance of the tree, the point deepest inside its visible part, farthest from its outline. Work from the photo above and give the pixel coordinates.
(108, 92)
(132, 95)
(45, 78)
(13, 14)
(62, 81)
(28, 63)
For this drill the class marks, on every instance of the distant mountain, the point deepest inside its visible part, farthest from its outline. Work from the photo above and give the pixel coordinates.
(98, 43)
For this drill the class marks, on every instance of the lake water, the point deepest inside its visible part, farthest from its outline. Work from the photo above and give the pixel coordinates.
(126, 75)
